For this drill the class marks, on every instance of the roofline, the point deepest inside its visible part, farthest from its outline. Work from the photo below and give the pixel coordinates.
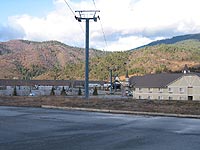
(18, 82)
(165, 86)
(184, 74)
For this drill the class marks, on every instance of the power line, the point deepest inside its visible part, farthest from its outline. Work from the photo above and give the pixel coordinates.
(74, 14)
(104, 36)
(70, 8)
(94, 4)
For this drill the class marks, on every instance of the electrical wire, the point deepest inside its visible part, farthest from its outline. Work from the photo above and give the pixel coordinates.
(70, 8)
(104, 36)
(73, 14)
(103, 33)
(94, 4)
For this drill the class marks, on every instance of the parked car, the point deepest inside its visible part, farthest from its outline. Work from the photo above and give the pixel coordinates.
(106, 85)
(116, 85)
(32, 94)
(130, 93)
(94, 85)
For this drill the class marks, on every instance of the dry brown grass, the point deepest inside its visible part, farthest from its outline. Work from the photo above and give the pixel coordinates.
(165, 106)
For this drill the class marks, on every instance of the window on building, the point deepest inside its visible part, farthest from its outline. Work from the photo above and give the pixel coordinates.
(170, 90)
(140, 97)
(190, 98)
(140, 89)
(170, 98)
(160, 97)
(160, 90)
(150, 90)
(181, 90)
(182, 98)
(190, 85)
(149, 97)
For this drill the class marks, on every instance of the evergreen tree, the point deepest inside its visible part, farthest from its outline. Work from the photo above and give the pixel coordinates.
(95, 91)
(63, 92)
(79, 91)
(52, 91)
(15, 91)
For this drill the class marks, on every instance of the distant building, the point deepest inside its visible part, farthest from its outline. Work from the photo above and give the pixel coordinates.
(38, 87)
(167, 86)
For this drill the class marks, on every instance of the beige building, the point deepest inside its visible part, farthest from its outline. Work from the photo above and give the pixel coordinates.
(167, 86)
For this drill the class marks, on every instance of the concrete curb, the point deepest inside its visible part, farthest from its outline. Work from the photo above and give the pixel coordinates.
(123, 112)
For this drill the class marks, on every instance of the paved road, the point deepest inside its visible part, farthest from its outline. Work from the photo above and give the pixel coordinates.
(48, 129)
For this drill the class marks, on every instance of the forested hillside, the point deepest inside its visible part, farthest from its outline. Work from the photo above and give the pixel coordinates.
(54, 60)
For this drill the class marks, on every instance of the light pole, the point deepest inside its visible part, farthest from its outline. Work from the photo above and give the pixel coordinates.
(87, 15)
(111, 86)
(111, 69)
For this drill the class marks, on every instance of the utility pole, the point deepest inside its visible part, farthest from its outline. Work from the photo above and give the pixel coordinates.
(87, 15)
(111, 84)
(111, 69)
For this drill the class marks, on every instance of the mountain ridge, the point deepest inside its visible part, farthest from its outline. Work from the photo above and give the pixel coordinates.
(172, 40)
(22, 59)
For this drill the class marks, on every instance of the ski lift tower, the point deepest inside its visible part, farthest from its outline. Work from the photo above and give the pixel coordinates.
(87, 15)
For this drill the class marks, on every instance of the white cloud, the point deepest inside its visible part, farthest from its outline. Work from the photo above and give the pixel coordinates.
(127, 43)
(11, 31)
(127, 24)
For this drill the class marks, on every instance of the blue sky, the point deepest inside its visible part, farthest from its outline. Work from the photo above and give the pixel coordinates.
(37, 8)
(127, 24)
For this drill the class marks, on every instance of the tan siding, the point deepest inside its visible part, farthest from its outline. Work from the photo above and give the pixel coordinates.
(180, 90)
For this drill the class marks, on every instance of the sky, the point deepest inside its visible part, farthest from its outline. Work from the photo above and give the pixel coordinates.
(123, 24)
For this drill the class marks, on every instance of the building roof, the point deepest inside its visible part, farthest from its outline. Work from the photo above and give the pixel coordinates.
(8, 82)
(5, 82)
(157, 80)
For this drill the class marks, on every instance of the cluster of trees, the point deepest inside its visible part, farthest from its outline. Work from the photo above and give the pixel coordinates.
(141, 61)
(29, 73)
(63, 91)
(99, 66)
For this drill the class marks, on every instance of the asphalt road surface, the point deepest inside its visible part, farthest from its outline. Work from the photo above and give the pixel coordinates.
(24, 128)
